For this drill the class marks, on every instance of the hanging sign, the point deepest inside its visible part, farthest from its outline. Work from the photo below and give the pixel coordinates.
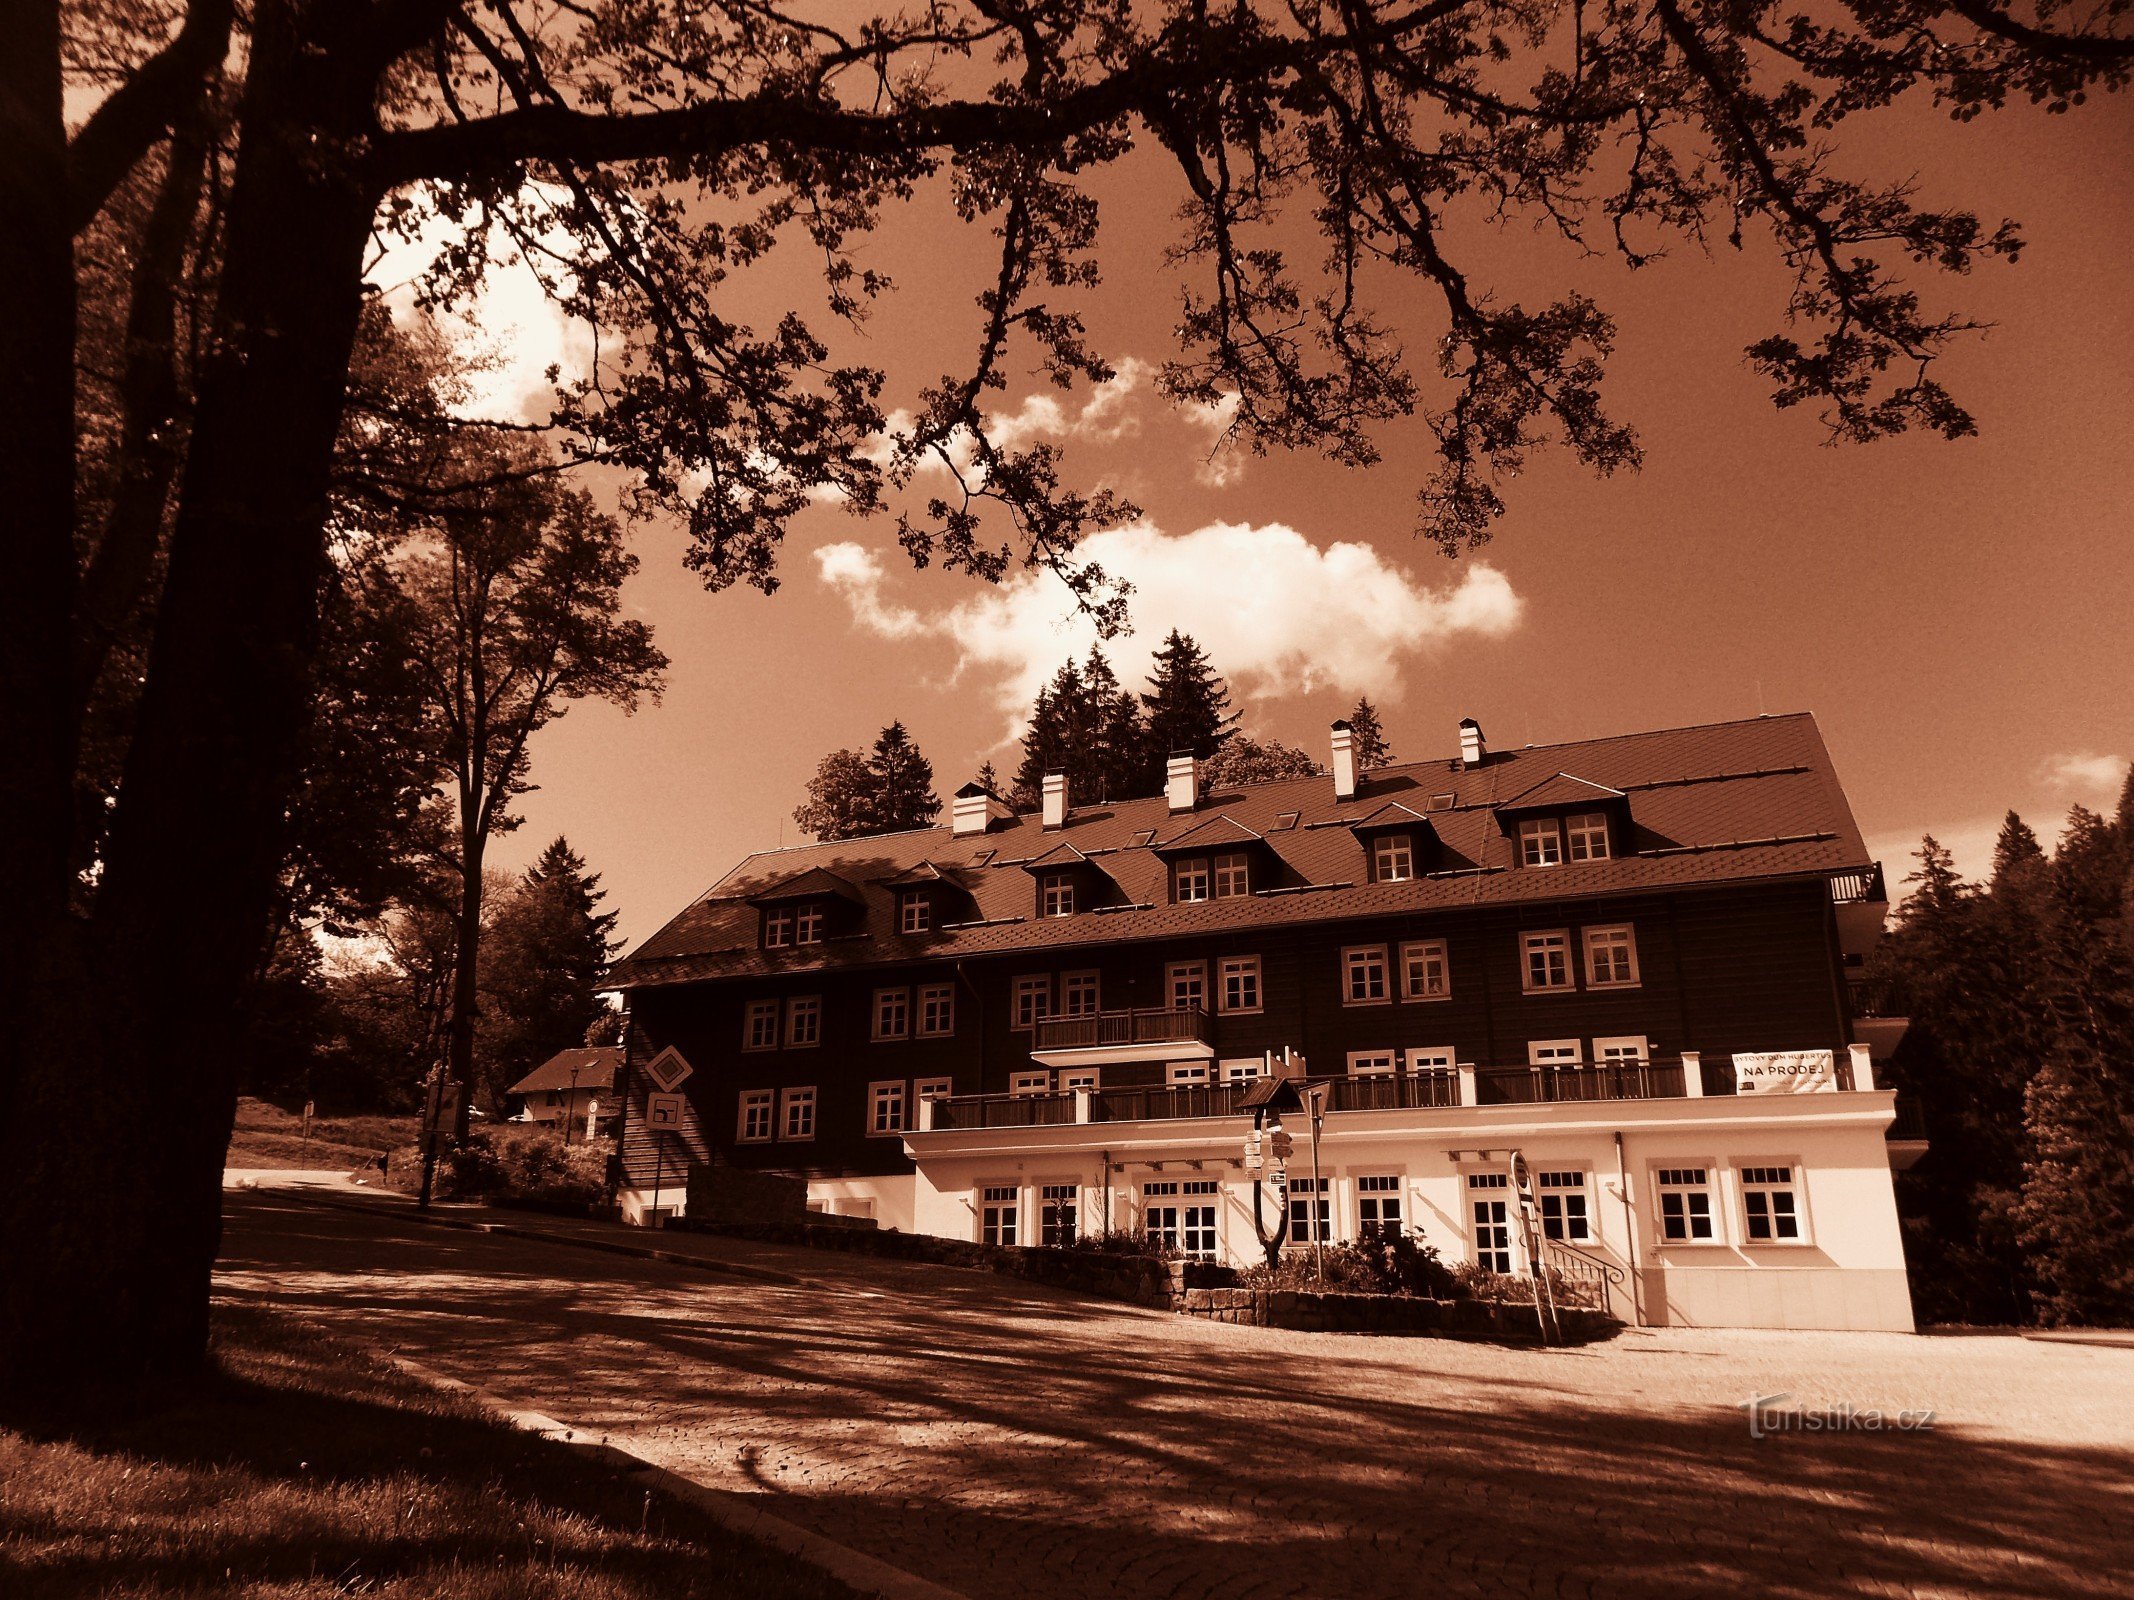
(1785, 1072)
(667, 1070)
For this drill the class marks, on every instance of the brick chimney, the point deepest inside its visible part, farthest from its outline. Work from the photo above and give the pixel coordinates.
(1344, 762)
(1181, 782)
(1055, 799)
(1472, 749)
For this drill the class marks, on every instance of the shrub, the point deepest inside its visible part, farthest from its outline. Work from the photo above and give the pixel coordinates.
(1122, 1242)
(513, 1166)
(1391, 1264)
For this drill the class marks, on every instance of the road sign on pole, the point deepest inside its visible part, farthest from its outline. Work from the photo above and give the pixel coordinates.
(667, 1071)
(663, 1112)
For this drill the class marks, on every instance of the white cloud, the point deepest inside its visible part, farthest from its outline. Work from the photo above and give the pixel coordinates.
(2087, 774)
(1276, 613)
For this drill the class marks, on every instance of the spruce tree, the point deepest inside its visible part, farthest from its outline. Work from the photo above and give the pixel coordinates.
(1114, 762)
(989, 780)
(903, 783)
(548, 946)
(1367, 738)
(1048, 742)
(1187, 705)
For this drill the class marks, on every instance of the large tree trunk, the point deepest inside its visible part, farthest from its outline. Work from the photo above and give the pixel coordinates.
(113, 1148)
(466, 968)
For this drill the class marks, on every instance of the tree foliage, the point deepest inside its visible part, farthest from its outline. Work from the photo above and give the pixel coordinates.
(1187, 704)
(1367, 738)
(888, 790)
(1244, 759)
(549, 942)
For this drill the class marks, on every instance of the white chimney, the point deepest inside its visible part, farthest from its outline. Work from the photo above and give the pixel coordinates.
(974, 811)
(1344, 762)
(1181, 782)
(1472, 750)
(1055, 799)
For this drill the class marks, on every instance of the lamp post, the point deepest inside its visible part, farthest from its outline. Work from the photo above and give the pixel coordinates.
(1315, 1103)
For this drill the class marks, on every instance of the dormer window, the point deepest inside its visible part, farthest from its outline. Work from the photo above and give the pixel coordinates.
(915, 911)
(1192, 881)
(1393, 857)
(1540, 843)
(1233, 876)
(808, 923)
(1055, 894)
(1587, 834)
(778, 927)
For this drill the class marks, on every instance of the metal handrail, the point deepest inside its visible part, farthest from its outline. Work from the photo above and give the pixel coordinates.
(1859, 886)
(1578, 1080)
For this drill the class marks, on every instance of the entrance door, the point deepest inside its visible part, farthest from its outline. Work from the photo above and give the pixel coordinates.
(1489, 1197)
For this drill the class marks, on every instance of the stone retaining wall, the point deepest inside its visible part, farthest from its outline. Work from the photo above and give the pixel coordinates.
(1378, 1313)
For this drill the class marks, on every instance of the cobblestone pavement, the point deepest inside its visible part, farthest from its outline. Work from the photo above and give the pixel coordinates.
(1008, 1441)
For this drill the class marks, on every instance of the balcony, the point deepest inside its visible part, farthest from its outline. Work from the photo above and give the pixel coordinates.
(1861, 903)
(1165, 1033)
(1878, 1015)
(1860, 886)
(1605, 1080)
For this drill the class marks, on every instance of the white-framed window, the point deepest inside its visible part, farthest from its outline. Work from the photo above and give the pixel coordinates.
(1553, 1053)
(1033, 1000)
(1370, 1063)
(1190, 880)
(885, 1108)
(753, 1124)
(1245, 1069)
(1566, 1208)
(1363, 975)
(1240, 983)
(1057, 1207)
(1000, 1213)
(1311, 1210)
(796, 1113)
(1545, 961)
(1036, 1081)
(1378, 1208)
(937, 1010)
(1186, 1074)
(933, 1089)
(1196, 1218)
(1233, 875)
(1425, 970)
(892, 1014)
(1540, 842)
(1687, 1215)
(1489, 1211)
(1073, 1078)
(1771, 1205)
(1185, 983)
(1055, 894)
(777, 927)
(1393, 857)
(1587, 835)
(915, 911)
(1431, 1058)
(1622, 1048)
(809, 923)
(759, 1025)
(1080, 994)
(1612, 957)
(803, 1021)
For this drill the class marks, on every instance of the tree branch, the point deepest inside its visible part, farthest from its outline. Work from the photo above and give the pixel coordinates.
(143, 108)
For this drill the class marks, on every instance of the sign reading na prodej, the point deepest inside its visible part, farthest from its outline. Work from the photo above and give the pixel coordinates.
(1785, 1072)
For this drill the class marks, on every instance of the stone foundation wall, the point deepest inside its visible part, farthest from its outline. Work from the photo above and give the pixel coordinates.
(1391, 1314)
(729, 1194)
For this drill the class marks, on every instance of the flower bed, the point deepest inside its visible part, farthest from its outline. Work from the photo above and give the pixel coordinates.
(1388, 1314)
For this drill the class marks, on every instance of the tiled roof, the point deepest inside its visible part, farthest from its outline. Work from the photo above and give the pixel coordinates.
(594, 1067)
(1561, 789)
(1211, 833)
(1726, 802)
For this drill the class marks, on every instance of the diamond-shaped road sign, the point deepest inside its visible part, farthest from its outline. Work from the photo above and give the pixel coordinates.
(668, 1070)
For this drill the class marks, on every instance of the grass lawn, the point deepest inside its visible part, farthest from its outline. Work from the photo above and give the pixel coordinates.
(309, 1468)
(267, 1136)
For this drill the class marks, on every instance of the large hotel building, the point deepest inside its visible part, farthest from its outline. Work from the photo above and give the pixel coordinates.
(1630, 961)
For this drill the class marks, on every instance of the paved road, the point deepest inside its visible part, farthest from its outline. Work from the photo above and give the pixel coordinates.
(1011, 1442)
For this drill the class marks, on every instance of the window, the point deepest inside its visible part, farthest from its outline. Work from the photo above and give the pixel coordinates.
(1075, 1078)
(937, 1010)
(808, 924)
(753, 1126)
(796, 1119)
(1311, 1210)
(1196, 1221)
(1190, 880)
(759, 1025)
(777, 927)
(1246, 1069)
(1056, 1209)
(885, 1108)
(1393, 857)
(1363, 975)
(1685, 1205)
(998, 1212)
(1232, 876)
(1241, 983)
(1182, 1074)
(1186, 983)
(1540, 843)
(1611, 958)
(1770, 1206)
(1630, 1047)
(1588, 836)
(1431, 1058)
(1370, 1063)
(1565, 1216)
(915, 911)
(1545, 961)
(1378, 1206)
(1079, 992)
(1028, 1083)
(803, 1021)
(1055, 894)
(1489, 1204)
(892, 1013)
(1425, 973)
(1553, 1053)
(933, 1089)
(1033, 1000)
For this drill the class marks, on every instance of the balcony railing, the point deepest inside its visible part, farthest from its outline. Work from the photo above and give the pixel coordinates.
(1861, 886)
(1605, 1080)
(1419, 1091)
(1003, 1111)
(1159, 1105)
(1099, 1029)
(1874, 998)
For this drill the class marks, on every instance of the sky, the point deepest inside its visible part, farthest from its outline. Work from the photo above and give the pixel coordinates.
(1957, 615)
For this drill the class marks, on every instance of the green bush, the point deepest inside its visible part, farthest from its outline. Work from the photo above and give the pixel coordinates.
(1122, 1242)
(514, 1165)
(1393, 1264)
